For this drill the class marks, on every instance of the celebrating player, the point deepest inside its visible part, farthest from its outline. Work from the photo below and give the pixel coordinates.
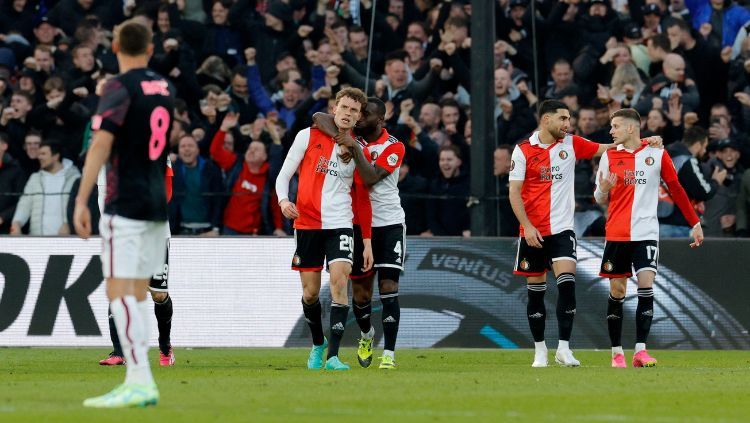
(158, 287)
(542, 197)
(132, 124)
(628, 179)
(388, 226)
(323, 223)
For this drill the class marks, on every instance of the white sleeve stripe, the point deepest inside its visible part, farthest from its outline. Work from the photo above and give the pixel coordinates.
(706, 186)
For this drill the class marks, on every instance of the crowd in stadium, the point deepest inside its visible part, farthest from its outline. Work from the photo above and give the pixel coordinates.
(251, 73)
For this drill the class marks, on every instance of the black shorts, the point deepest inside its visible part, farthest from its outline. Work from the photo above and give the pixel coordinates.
(316, 247)
(388, 248)
(532, 261)
(621, 257)
(160, 281)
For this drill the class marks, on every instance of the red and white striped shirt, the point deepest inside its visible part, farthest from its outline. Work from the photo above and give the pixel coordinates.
(324, 194)
(548, 174)
(634, 198)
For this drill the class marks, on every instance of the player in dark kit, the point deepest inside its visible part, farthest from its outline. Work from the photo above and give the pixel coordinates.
(131, 127)
(378, 157)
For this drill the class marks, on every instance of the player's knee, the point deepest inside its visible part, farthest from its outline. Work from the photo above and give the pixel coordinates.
(617, 290)
(309, 297)
(159, 297)
(388, 275)
(361, 293)
(387, 285)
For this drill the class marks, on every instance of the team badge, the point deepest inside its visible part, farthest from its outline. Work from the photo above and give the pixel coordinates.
(374, 155)
(649, 161)
(512, 165)
(525, 264)
(608, 266)
(296, 260)
(563, 154)
(392, 159)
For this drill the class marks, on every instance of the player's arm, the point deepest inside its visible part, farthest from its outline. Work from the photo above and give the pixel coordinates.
(655, 141)
(517, 178)
(325, 123)
(363, 215)
(678, 194)
(604, 182)
(371, 173)
(291, 163)
(97, 155)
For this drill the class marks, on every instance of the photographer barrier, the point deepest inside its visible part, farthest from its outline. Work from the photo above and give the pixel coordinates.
(240, 292)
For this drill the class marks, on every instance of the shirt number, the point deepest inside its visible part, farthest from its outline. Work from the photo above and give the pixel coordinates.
(159, 126)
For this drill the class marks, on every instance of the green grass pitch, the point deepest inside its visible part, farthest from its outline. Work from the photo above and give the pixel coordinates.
(228, 385)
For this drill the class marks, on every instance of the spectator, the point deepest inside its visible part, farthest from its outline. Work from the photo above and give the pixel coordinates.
(421, 149)
(12, 180)
(356, 54)
(721, 210)
(29, 158)
(657, 48)
(718, 21)
(685, 156)
(562, 77)
(45, 197)
(13, 120)
(449, 216)
(501, 170)
(195, 208)
(513, 113)
(66, 14)
(411, 186)
(253, 208)
(743, 207)
(673, 82)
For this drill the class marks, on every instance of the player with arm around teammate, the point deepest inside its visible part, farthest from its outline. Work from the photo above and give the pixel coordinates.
(378, 157)
(323, 218)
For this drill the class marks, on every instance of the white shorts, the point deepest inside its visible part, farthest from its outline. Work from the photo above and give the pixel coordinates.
(132, 249)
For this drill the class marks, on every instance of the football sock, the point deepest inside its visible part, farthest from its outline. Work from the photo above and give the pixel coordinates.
(614, 320)
(313, 316)
(362, 313)
(339, 313)
(566, 304)
(563, 345)
(536, 311)
(617, 350)
(133, 338)
(391, 318)
(644, 314)
(116, 347)
(163, 312)
(639, 347)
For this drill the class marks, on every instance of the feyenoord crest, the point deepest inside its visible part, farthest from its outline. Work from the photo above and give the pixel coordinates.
(525, 264)
(374, 155)
(649, 161)
(608, 266)
(296, 260)
(512, 164)
(563, 154)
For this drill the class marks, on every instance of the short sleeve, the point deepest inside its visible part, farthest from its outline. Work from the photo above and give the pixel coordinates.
(390, 159)
(517, 165)
(584, 148)
(113, 107)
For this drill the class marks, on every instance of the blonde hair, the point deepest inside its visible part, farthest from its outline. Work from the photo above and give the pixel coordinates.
(626, 73)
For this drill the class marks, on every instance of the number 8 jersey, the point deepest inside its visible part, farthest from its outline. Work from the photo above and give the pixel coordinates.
(136, 107)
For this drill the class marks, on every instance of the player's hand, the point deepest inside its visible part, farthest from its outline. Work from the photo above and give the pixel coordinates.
(64, 229)
(15, 229)
(343, 138)
(211, 233)
(606, 184)
(345, 154)
(288, 209)
(279, 232)
(82, 219)
(304, 31)
(655, 141)
(697, 234)
(533, 236)
(367, 255)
